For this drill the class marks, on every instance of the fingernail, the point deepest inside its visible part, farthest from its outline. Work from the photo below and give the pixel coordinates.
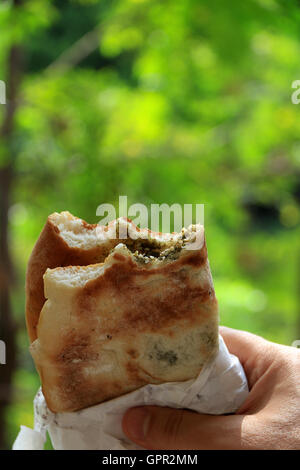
(137, 423)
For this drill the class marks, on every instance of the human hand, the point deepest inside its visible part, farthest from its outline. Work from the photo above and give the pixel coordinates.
(268, 419)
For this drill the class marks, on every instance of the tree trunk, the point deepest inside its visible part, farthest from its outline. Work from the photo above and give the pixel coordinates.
(7, 324)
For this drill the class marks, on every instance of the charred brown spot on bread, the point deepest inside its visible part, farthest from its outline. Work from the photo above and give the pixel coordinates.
(132, 353)
(135, 373)
(76, 392)
(142, 313)
(88, 226)
(85, 303)
(77, 349)
(156, 313)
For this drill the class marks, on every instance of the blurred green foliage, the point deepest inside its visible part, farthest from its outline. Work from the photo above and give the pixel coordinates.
(186, 102)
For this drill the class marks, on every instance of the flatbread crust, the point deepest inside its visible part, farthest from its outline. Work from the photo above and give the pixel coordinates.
(111, 327)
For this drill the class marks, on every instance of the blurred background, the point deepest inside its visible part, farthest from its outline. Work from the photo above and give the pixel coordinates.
(166, 102)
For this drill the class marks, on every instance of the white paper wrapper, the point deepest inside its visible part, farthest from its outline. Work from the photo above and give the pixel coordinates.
(220, 388)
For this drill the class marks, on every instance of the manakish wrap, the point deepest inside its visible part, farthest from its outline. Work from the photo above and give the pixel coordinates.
(146, 314)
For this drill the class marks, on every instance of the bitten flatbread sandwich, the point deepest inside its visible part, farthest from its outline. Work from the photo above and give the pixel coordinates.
(109, 315)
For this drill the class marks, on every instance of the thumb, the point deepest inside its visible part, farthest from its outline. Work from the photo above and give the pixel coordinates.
(154, 427)
(254, 352)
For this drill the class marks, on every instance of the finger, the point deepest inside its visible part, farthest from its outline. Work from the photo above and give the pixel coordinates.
(254, 352)
(154, 427)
